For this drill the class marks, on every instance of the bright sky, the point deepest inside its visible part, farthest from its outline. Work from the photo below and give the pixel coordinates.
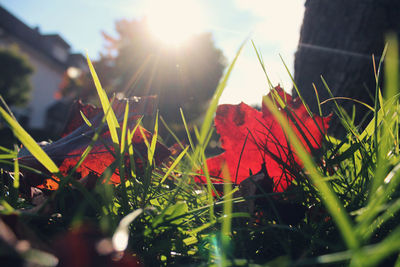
(273, 25)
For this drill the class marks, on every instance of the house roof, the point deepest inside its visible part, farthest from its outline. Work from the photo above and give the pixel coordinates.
(77, 60)
(55, 38)
(32, 37)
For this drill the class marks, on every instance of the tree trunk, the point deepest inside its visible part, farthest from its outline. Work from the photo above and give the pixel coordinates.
(337, 41)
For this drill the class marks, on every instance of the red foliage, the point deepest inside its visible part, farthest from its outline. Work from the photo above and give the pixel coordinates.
(251, 138)
(67, 151)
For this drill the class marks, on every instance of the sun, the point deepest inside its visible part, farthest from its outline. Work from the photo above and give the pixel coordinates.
(174, 21)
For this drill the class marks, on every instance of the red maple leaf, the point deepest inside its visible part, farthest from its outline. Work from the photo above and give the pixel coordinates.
(252, 138)
(67, 151)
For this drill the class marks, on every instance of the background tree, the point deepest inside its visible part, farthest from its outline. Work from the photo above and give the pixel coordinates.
(182, 76)
(15, 71)
(137, 64)
(337, 41)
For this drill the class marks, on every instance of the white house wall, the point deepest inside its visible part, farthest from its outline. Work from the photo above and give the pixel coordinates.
(45, 82)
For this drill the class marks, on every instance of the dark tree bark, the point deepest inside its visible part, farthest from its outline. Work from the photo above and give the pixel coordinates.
(337, 41)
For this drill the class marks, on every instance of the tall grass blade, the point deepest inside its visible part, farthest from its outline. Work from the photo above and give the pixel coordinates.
(121, 158)
(16, 174)
(187, 130)
(130, 148)
(345, 121)
(7, 107)
(29, 143)
(171, 132)
(205, 127)
(260, 59)
(329, 197)
(153, 143)
(391, 67)
(318, 101)
(89, 148)
(173, 165)
(296, 88)
(111, 119)
(210, 188)
(9, 154)
(378, 97)
(372, 255)
(86, 120)
(124, 128)
(388, 214)
(387, 134)
(227, 218)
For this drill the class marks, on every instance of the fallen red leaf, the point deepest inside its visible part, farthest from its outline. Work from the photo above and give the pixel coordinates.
(67, 151)
(251, 138)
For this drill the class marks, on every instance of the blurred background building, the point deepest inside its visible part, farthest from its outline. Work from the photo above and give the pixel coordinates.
(49, 55)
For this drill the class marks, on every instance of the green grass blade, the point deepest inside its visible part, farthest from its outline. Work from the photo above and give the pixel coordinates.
(146, 142)
(210, 188)
(380, 196)
(151, 152)
(6, 208)
(350, 99)
(330, 199)
(130, 147)
(388, 214)
(296, 88)
(124, 128)
(187, 130)
(10, 154)
(8, 151)
(173, 166)
(132, 133)
(205, 127)
(260, 59)
(227, 218)
(89, 147)
(16, 174)
(371, 128)
(121, 157)
(318, 101)
(171, 132)
(111, 119)
(378, 97)
(86, 120)
(7, 107)
(29, 143)
(372, 255)
(391, 67)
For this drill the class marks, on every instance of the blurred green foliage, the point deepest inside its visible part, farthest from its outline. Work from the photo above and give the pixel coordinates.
(15, 71)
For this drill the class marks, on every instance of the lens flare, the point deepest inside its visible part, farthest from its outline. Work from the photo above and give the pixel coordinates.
(174, 21)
